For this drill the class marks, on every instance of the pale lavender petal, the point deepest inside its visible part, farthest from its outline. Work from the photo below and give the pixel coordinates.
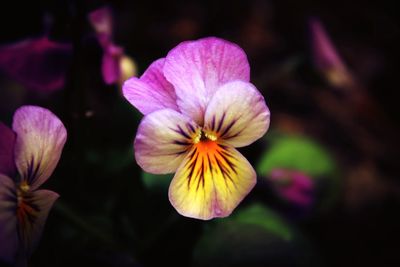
(102, 21)
(198, 68)
(326, 58)
(110, 67)
(8, 220)
(162, 140)
(7, 142)
(237, 114)
(32, 213)
(152, 91)
(38, 64)
(40, 139)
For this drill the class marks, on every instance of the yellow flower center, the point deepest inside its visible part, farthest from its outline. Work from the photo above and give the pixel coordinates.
(204, 136)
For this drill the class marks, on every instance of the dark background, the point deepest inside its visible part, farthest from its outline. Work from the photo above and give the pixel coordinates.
(106, 216)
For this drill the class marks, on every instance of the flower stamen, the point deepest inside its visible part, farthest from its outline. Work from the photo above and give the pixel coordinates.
(204, 136)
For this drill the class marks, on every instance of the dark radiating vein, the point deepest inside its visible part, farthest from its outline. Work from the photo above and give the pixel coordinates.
(226, 130)
(226, 156)
(221, 121)
(181, 143)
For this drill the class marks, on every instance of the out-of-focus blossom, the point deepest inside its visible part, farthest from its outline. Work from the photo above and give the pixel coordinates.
(326, 58)
(116, 67)
(293, 186)
(39, 64)
(29, 154)
(199, 105)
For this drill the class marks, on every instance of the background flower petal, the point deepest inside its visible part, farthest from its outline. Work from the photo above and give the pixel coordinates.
(110, 65)
(101, 20)
(40, 139)
(198, 68)
(152, 91)
(33, 214)
(211, 181)
(162, 140)
(237, 113)
(7, 141)
(39, 64)
(8, 221)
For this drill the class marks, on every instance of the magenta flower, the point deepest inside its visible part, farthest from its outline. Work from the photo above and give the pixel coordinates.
(115, 66)
(28, 155)
(326, 58)
(199, 105)
(38, 64)
(293, 186)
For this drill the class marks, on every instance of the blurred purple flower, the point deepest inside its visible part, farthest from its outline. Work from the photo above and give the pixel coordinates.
(39, 64)
(199, 106)
(326, 58)
(116, 67)
(29, 154)
(293, 186)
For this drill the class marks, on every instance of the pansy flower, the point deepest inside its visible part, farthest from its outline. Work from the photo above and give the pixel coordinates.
(199, 105)
(28, 155)
(39, 64)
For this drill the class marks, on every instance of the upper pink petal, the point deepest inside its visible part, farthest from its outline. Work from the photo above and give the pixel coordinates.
(326, 58)
(101, 20)
(162, 139)
(198, 68)
(237, 114)
(7, 142)
(38, 64)
(151, 91)
(8, 221)
(40, 139)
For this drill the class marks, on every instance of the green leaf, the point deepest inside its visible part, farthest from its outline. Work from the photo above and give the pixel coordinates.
(297, 153)
(259, 215)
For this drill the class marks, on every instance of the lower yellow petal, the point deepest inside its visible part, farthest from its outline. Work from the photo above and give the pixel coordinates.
(211, 181)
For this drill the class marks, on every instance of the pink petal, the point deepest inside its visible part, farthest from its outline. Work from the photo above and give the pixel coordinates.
(7, 141)
(152, 91)
(326, 59)
(198, 68)
(102, 21)
(293, 186)
(40, 139)
(237, 114)
(32, 214)
(8, 220)
(111, 64)
(38, 64)
(162, 140)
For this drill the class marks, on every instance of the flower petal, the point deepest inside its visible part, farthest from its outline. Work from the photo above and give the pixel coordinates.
(152, 91)
(40, 139)
(198, 68)
(162, 139)
(110, 67)
(7, 142)
(8, 220)
(101, 20)
(326, 58)
(32, 215)
(39, 64)
(212, 180)
(237, 114)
